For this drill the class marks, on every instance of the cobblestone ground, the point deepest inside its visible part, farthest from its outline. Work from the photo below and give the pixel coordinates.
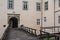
(15, 34)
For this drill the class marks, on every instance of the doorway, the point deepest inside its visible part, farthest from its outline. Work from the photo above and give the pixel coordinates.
(13, 22)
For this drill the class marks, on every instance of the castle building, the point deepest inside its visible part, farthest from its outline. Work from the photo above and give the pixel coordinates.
(35, 14)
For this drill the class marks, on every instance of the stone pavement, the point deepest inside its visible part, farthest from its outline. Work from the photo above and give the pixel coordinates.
(15, 34)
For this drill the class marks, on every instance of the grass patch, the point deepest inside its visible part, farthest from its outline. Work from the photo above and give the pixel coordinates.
(49, 38)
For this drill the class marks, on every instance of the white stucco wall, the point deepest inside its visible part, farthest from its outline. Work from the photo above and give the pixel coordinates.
(49, 14)
(27, 17)
(3, 16)
(57, 13)
(57, 5)
(57, 8)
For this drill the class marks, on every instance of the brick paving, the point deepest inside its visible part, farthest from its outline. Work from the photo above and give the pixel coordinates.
(15, 34)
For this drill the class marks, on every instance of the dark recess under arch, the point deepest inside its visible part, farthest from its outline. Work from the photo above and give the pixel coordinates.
(13, 22)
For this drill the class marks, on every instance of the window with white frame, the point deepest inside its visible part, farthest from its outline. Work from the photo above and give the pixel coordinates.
(44, 19)
(58, 19)
(38, 21)
(46, 5)
(10, 4)
(38, 6)
(59, 3)
(25, 5)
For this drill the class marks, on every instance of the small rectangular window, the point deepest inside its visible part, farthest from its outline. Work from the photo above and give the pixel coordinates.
(59, 3)
(38, 21)
(25, 5)
(10, 4)
(44, 19)
(38, 6)
(46, 5)
(58, 19)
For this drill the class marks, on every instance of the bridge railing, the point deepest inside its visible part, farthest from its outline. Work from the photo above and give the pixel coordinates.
(52, 29)
(46, 34)
(5, 34)
(29, 30)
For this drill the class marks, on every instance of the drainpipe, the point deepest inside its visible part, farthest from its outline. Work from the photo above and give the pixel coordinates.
(54, 15)
(41, 15)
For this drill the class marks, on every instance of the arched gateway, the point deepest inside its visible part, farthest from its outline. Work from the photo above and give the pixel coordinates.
(13, 22)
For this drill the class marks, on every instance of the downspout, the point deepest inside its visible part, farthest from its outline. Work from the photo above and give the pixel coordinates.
(54, 15)
(41, 15)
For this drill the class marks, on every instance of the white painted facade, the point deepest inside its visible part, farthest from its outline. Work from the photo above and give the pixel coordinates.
(57, 12)
(29, 17)
(49, 14)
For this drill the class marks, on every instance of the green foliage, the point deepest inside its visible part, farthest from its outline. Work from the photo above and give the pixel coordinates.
(49, 38)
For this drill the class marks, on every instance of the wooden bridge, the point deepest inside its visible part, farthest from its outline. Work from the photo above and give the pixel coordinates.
(24, 33)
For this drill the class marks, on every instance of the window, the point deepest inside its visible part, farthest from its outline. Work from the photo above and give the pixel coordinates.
(38, 21)
(59, 3)
(25, 5)
(46, 5)
(44, 19)
(10, 4)
(38, 6)
(58, 19)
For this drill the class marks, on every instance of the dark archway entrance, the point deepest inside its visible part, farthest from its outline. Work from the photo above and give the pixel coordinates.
(13, 22)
